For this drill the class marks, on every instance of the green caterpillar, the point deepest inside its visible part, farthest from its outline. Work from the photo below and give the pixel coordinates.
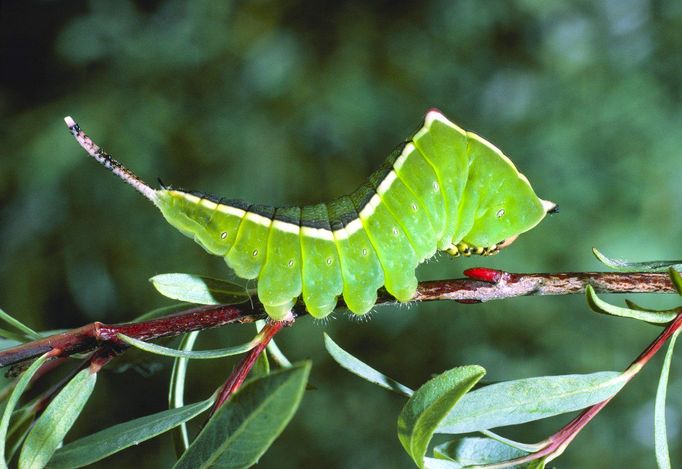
(445, 189)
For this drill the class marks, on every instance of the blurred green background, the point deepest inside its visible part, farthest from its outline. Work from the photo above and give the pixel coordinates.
(295, 102)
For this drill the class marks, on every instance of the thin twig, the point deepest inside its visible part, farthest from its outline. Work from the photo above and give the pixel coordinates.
(492, 284)
(238, 375)
(96, 335)
(486, 285)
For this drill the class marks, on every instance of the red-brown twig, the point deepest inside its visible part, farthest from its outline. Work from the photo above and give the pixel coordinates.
(96, 335)
(486, 285)
(238, 375)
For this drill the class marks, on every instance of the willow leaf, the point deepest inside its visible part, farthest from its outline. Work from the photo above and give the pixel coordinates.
(429, 404)
(191, 354)
(627, 266)
(600, 306)
(20, 326)
(526, 400)
(477, 451)
(19, 389)
(199, 290)
(660, 432)
(50, 429)
(364, 371)
(97, 446)
(247, 424)
(176, 390)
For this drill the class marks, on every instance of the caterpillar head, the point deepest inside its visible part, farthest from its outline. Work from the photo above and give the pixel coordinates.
(464, 248)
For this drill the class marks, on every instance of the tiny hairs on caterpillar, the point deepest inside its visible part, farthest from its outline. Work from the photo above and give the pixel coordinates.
(445, 189)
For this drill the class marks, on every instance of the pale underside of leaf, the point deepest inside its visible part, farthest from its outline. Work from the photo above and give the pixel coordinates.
(190, 354)
(628, 266)
(526, 400)
(427, 407)
(600, 306)
(361, 369)
(200, 290)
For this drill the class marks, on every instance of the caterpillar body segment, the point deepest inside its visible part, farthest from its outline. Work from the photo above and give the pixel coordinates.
(212, 225)
(444, 189)
(393, 249)
(445, 147)
(320, 265)
(247, 255)
(409, 212)
(361, 270)
(420, 177)
(280, 278)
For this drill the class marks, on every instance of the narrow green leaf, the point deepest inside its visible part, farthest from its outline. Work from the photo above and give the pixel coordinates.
(433, 463)
(247, 424)
(199, 290)
(632, 305)
(364, 371)
(475, 451)
(528, 448)
(21, 424)
(97, 446)
(626, 266)
(176, 391)
(52, 426)
(10, 339)
(19, 389)
(660, 432)
(424, 411)
(27, 331)
(676, 279)
(191, 354)
(526, 400)
(437, 463)
(600, 306)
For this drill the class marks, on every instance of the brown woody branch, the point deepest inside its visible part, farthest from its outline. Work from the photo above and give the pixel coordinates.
(483, 285)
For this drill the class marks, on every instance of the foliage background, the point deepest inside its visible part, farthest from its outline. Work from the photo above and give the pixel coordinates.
(296, 101)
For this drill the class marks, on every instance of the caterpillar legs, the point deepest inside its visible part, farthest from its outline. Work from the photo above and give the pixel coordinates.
(465, 249)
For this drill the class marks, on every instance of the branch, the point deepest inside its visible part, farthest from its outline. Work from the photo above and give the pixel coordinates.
(483, 285)
(96, 335)
(490, 284)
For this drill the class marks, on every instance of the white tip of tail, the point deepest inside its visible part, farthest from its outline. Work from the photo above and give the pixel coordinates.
(69, 121)
(550, 207)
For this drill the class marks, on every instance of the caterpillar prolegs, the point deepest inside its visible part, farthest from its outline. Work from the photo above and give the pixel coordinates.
(444, 189)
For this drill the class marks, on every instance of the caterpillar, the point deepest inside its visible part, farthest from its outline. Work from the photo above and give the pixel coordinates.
(444, 189)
